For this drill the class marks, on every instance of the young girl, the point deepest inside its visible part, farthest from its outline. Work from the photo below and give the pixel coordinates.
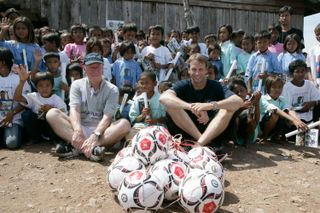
(248, 116)
(274, 111)
(274, 46)
(95, 45)
(76, 51)
(125, 70)
(227, 48)
(10, 112)
(66, 38)
(25, 39)
(247, 45)
(106, 46)
(292, 52)
(40, 103)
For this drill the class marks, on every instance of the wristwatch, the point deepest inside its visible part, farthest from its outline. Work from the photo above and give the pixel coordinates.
(97, 134)
(214, 105)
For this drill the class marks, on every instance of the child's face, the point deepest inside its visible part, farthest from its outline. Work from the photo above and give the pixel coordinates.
(106, 48)
(240, 91)
(155, 37)
(128, 55)
(274, 34)
(276, 89)
(66, 39)
(210, 41)
(96, 33)
(49, 46)
(194, 36)
(78, 35)
(53, 64)
(247, 45)
(292, 46)
(262, 44)
(194, 50)
(22, 31)
(4, 70)
(44, 88)
(147, 85)
(174, 35)
(184, 36)
(224, 34)
(299, 74)
(74, 74)
(214, 55)
(211, 74)
(129, 36)
(317, 33)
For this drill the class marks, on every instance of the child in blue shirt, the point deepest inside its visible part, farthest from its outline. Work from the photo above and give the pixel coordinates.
(247, 44)
(253, 72)
(125, 70)
(214, 53)
(275, 113)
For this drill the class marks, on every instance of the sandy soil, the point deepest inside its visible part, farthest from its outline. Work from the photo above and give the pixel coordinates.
(262, 178)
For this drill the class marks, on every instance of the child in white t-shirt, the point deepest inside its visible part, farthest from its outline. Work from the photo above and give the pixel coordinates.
(159, 55)
(39, 104)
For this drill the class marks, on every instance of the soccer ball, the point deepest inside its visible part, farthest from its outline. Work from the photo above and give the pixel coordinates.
(170, 174)
(125, 152)
(201, 191)
(209, 165)
(175, 154)
(118, 170)
(202, 151)
(161, 134)
(147, 148)
(139, 191)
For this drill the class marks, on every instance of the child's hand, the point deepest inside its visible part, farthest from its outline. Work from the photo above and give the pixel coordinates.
(23, 74)
(5, 24)
(146, 111)
(247, 104)
(7, 120)
(157, 65)
(45, 108)
(37, 56)
(64, 87)
(257, 96)
(301, 125)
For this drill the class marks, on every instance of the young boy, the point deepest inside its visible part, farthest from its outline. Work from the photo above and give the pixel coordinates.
(159, 55)
(51, 43)
(301, 94)
(52, 62)
(214, 52)
(126, 71)
(210, 39)
(40, 103)
(253, 71)
(194, 35)
(155, 113)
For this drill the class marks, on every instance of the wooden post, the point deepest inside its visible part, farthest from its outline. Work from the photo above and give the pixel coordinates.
(188, 14)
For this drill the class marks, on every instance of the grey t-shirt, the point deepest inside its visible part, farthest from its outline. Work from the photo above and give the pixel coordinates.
(93, 104)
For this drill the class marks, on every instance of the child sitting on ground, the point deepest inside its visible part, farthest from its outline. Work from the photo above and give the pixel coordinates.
(40, 103)
(275, 113)
(126, 108)
(248, 116)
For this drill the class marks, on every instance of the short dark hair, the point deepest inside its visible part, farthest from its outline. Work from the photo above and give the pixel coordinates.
(77, 27)
(296, 64)
(73, 66)
(52, 37)
(129, 27)
(156, 27)
(214, 68)
(248, 37)
(48, 55)
(262, 34)
(41, 76)
(7, 57)
(150, 75)
(125, 46)
(93, 28)
(236, 80)
(210, 36)
(212, 47)
(193, 29)
(271, 79)
(286, 9)
(228, 27)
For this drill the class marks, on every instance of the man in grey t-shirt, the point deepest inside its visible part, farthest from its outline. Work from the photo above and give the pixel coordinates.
(93, 102)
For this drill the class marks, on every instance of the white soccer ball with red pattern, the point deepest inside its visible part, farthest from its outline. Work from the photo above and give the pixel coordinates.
(125, 152)
(170, 174)
(118, 170)
(140, 192)
(201, 191)
(209, 165)
(162, 135)
(175, 154)
(147, 146)
(202, 151)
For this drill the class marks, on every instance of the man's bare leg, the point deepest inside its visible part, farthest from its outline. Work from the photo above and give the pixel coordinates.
(115, 132)
(216, 126)
(184, 122)
(60, 124)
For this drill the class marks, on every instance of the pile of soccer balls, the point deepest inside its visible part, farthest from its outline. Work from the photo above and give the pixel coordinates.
(151, 170)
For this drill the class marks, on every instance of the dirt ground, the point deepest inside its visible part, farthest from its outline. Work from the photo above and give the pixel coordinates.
(262, 178)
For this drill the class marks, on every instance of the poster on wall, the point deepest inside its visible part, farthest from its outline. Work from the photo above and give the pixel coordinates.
(114, 24)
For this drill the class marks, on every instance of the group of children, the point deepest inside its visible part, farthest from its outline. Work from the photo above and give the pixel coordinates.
(273, 79)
